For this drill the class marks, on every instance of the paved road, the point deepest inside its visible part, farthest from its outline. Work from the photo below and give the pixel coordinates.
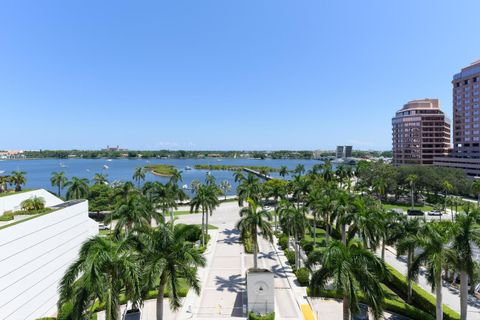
(451, 297)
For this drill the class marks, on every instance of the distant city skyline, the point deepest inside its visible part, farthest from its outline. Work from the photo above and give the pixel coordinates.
(216, 75)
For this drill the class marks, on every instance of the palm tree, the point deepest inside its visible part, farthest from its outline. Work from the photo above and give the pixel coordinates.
(407, 245)
(380, 187)
(176, 176)
(4, 181)
(412, 179)
(167, 256)
(327, 172)
(139, 175)
(225, 186)
(447, 188)
(283, 172)
(104, 268)
(100, 178)
(300, 188)
(206, 198)
(136, 212)
(476, 190)
(33, 204)
(354, 269)
(58, 180)
(275, 188)
(365, 222)
(434, 240)
(18, 179)
(124, 191)
(194, 185)
(165, 197)
(343, 213)
(299, 169)
(249, 188)
(315, 203)
(466, 232)
(292, 221)
(238, 176)
(77, 188)
(252, 221)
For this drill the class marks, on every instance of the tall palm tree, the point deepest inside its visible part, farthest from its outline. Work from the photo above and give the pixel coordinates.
(104, 268)
(100, 178)
(4, 181)
(136, 212)
(167, 256)
(18, 179)
(276, 189)
(33, 204)
(412, 179)
(165, 197)
(225, 186)
(251, 222)
(124, 191)
(205, 198)
(299, 169)
(466, 232)
(249, 188)
(407, 245)
(283, 172)
(476, 190)
(139, 175)
(77, 188)
(447, 188)
(327, 171)
(238, 176)
(315, 203)
(300, 188)
(176, 177)
(344, 213)
(354, 269)
(58, 180)
(380, 187)
(365, 222)
(434, 240)
(292, 221)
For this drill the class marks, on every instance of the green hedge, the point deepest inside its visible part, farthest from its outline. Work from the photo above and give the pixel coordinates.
(420, 298)
(290, 254)
(254, 316)
(395, 306)
(6, 217)
(283, 241)
(303, 276)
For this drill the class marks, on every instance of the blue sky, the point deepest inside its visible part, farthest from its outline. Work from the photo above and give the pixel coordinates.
(251, 74)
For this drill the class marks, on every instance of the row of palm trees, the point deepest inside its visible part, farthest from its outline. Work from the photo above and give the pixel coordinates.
(16, 178)
(356, 226)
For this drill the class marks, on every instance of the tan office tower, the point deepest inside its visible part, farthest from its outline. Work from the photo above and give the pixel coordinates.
(420, 132)
(466, 122)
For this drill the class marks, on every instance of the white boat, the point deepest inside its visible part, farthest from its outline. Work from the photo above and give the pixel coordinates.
(188, 168)
(185, 186)
(218, 160)
(62, 165)
(2, 171)
(109, 160)
(105, 167)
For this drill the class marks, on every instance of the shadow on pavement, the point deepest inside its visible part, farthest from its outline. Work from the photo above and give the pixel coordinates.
(233, 283)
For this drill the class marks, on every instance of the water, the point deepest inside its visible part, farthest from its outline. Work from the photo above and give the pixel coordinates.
(39, 171)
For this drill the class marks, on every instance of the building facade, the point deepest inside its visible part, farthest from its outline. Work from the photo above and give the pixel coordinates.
(466, 122)
(420, 132)
(35, 253)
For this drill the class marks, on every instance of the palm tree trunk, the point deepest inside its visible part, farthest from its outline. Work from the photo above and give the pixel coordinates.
(59, 191)
(161, 290)
(438, 294)
(346, 308)
(206, 224)
(463, 294)
(383, 249)
(275, 214)
(297, 253)
(171, 217)
(203, 227)
(327, 233)
(254, 244)
(344, 233)
(409, 281)
(314, 229)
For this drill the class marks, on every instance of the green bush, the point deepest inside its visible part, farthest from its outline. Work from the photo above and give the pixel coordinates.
(306, 245)
(420, 298)
(283, 241)
(65, 312)
(254, 316)
(303, 276)
(6, 217)
(290, 254)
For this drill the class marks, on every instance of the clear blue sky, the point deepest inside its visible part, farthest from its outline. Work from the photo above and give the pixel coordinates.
(252, 74)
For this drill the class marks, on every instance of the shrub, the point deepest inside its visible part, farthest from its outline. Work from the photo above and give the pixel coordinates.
(33, 204)
(283, 241)
(290, 254)
(420, 298)
(65, 312)
(254, 316)
(306, 245)
(6, 217)
(303, 276)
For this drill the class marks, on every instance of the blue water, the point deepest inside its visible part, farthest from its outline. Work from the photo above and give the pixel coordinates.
(39, 171)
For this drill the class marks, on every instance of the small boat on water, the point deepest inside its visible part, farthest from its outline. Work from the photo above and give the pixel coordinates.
(105, 167)
(109, 160)
(2, 171)
(62, 165)
(218, 160)
(188, 168)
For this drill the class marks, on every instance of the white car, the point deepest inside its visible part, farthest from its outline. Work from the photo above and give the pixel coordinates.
(435, 213)
(101, 227)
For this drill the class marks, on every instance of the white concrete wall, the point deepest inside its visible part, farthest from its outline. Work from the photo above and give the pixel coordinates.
(13, 202)
(34, 255)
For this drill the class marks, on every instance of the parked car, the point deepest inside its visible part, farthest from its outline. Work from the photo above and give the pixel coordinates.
(435, 213)
(362, 314)
(101, 227)
(415, 212)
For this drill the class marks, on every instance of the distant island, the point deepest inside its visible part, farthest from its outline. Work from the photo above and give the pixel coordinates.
(114, 153)
(234, 167)
(161, 170)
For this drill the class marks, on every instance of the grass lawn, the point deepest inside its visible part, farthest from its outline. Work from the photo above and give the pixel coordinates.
(163, 170)
(181, 213)
(406, 207)
(320, 235)
(210, 226)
